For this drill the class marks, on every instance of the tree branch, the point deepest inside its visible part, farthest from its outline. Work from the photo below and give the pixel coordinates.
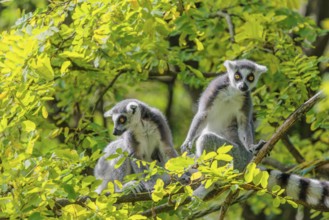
(289, 122)
(292, 149)
(164, 208)
(276, 164)
(106, 89)
(227, 203)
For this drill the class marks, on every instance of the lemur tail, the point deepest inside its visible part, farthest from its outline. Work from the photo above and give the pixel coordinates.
(310, 191)
(314, 193)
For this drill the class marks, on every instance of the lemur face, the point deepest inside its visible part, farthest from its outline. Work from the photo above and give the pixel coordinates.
(243, 74)
(124, 115)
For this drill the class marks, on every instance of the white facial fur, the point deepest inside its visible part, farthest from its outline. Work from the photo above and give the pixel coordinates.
(124, 118)
(132, 107)
(245, 69)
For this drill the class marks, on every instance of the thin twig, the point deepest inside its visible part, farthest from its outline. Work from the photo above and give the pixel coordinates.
(106, 89)
(292, 149)
(276, 164)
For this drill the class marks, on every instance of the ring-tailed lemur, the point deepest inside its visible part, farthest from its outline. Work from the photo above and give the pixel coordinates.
(225, 116)
(145, 135)
(225, 113)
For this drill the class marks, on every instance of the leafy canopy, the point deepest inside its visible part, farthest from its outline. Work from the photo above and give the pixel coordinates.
(62, 65)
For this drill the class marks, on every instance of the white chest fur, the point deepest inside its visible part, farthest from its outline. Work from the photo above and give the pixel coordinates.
(226, 108)
(148, 137)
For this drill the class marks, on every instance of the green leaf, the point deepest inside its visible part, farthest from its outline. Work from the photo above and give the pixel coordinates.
(257, 178)
(118, 183)
(276, 202)
(224, 157)
(208, 183)
(43, 67)
(199, 45)
(224, 149)
(137, 217)
(113, 156)
(36, 216)
(264, 180)
(210, 155)
(44, 112)
(198, 73)
(158, 192)
(275, 188)
(29, 125)
(261, 192)
(248, 176)
(196, 176)
(70, 191)
(119, 162)
(64, 67)
(179, 164)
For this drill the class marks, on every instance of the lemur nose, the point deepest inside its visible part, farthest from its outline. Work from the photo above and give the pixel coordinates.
(116, 132)
(243, 87)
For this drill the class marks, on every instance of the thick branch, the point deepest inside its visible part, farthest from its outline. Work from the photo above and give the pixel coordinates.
(164, 208)
(227, 203)
(282, 130)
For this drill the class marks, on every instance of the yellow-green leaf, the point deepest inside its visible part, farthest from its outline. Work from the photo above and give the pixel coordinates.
(119, 163)
(44, 112)
(264, 180)
(43, 67)
(210, 155)
(28, 125)
(196, 176)
(178, 164)
(248, 176)
(198, 73)
(137, 217)
(158, 192)
(224, 157)
(118, 183)
(64, 67)
(224, 149)
(276, 202)
(276, 188)
(292, 203)
(199, 45)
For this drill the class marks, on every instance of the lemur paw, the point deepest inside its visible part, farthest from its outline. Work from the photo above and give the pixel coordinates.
(133, 187)
(185, 178)
(186, 147)
(255, 148)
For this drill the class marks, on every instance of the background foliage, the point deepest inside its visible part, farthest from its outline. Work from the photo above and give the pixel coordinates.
(63, 63)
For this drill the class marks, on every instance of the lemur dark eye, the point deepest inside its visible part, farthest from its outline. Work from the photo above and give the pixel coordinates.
(237, 76)
(251, 77)
(122, 119)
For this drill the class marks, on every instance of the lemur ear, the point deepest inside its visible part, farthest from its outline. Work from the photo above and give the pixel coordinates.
(230, 65)
(261, 69)
(131, 107)
(109, 113)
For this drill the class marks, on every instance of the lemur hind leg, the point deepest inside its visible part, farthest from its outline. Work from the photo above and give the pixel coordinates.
(211, 142)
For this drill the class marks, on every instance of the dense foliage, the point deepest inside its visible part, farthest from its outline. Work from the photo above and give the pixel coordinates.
(63, 66)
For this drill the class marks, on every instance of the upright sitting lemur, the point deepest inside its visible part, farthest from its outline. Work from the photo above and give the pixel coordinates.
(144, 134)
(225, 116)
(225, 113)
